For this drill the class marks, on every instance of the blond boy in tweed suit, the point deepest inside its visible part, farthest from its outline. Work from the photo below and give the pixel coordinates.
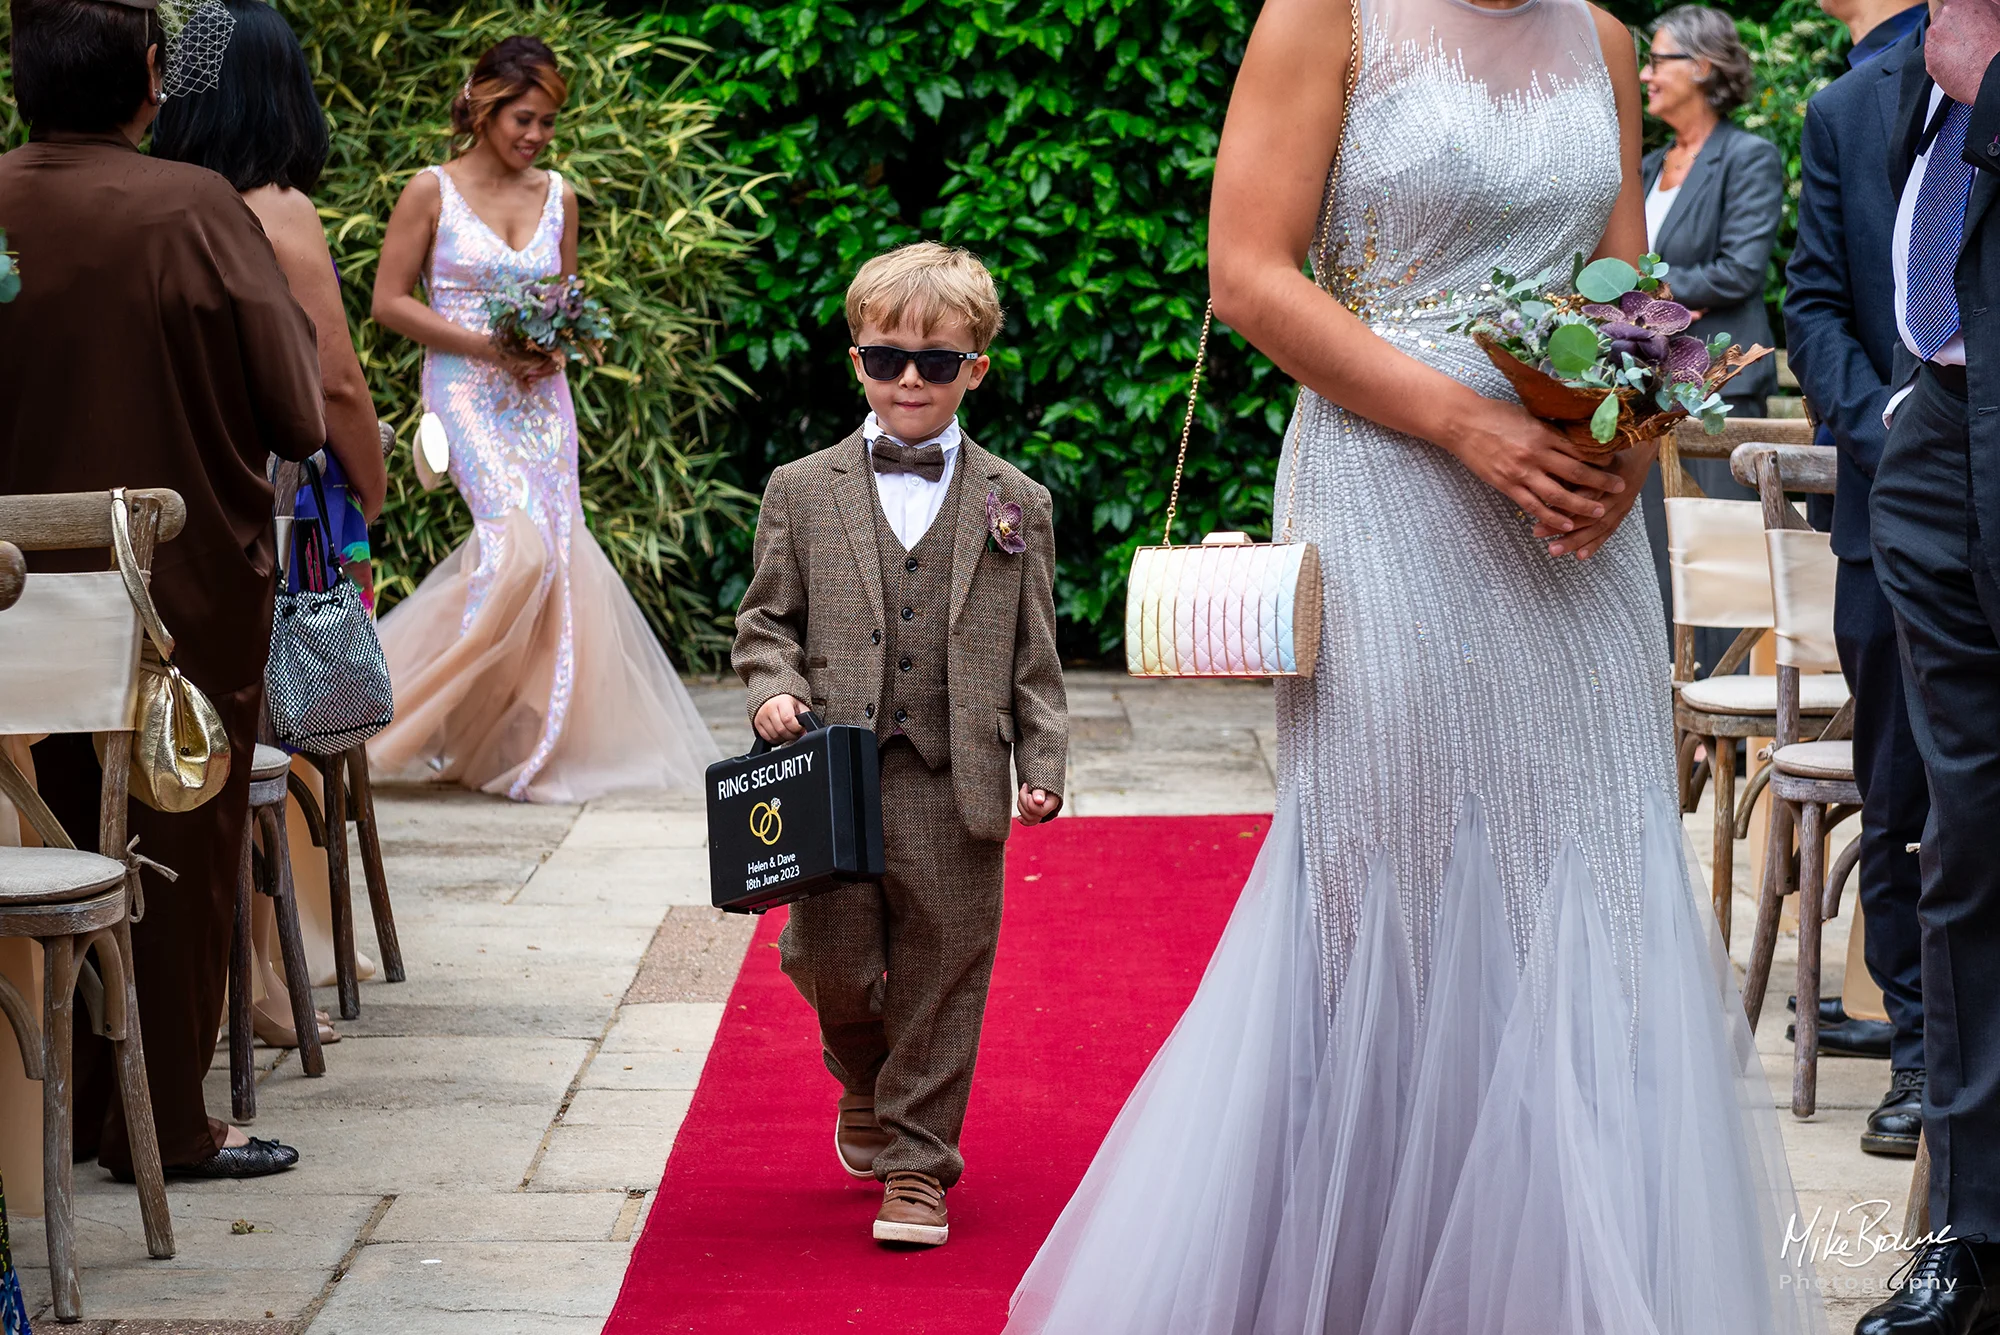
(904, 583)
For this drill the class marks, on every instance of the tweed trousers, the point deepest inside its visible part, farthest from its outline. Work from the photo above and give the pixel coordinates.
(898, 973)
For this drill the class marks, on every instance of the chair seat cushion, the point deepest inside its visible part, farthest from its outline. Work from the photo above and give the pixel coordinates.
(269, 763)
(1816, 760)
(54, 875)
(1819, 693)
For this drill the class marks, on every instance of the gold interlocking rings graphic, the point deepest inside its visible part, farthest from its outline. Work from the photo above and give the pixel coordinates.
(766, 825)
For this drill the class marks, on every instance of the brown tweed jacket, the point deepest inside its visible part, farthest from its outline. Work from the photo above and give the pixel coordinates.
(811, 621)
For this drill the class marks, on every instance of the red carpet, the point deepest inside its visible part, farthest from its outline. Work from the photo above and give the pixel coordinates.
(1109, 924)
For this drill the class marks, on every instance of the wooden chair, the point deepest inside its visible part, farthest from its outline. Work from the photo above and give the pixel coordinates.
(1812, 768)
(271, 875)
(69, 662)
(1721, 578)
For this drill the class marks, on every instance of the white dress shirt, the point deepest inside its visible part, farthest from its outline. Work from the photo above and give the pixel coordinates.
(910, 501)
(1659, 203)
(1952, 353)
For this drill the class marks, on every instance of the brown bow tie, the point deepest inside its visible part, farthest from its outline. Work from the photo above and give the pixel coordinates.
(926, 461)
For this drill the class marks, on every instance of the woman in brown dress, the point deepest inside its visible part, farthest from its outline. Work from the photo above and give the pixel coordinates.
(158, 346)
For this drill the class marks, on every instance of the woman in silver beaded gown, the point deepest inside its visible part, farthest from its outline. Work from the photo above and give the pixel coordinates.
(1469, 1059)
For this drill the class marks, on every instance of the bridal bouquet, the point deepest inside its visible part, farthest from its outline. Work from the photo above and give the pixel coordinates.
(550, 317)
(1607, 360)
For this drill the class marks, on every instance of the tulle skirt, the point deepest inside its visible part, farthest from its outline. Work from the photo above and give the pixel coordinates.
(506, 702)
(1533, 1152)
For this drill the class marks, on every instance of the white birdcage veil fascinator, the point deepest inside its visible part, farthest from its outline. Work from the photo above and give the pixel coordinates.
(198, 34)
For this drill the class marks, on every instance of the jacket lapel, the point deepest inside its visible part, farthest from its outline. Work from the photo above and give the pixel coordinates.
(970, 538)
(1691, 186)
(1913, 105)
(854, 498)
(1889, 86)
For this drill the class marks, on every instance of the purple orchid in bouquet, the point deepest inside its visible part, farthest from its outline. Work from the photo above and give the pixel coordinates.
(1609, 362)
(552, 317)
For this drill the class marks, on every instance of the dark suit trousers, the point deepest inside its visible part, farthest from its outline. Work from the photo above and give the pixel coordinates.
(1894, 802)
(898, 973)
(1948, 618)
(180, 948)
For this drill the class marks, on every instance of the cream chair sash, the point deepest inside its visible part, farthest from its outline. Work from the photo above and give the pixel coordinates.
(1803, 570)
(69, 655)
(1720, 572)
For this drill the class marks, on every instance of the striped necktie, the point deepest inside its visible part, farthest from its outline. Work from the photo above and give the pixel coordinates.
(1937, 230)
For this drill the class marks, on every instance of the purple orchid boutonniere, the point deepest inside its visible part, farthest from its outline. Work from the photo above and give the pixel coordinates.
(1003, 525)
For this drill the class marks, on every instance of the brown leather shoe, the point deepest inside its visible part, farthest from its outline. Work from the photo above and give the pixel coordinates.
(912, 1211)
(857, 1136)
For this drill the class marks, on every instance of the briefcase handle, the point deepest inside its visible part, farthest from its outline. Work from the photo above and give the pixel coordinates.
(807, 717)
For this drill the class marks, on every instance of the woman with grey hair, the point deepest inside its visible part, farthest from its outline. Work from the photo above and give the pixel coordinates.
(1714, 197)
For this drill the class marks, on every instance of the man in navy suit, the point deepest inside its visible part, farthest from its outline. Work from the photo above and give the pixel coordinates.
(1840, 322)
(1934, 512)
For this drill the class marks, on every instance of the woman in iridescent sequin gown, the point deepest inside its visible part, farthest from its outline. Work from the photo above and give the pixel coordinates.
(522, 665)
(1469, 1059)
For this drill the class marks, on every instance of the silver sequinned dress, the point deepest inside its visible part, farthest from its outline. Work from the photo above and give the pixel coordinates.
(522, 665)
(1469, 1059)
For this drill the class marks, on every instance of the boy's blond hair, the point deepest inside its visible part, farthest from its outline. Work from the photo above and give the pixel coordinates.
(922, 285)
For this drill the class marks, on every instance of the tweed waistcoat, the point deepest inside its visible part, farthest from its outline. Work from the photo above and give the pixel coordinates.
(916, 611)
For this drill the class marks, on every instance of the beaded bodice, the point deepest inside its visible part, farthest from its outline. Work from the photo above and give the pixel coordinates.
(470, 261)
(1477, 139)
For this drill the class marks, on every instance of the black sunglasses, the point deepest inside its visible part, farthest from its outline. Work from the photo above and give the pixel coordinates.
(1661, 57)
(940, 366)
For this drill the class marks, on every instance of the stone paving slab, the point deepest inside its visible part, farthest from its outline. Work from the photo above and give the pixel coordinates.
(505, 1113)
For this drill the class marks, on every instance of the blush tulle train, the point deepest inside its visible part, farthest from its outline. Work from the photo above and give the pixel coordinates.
(1529, 1151)
(472, 703)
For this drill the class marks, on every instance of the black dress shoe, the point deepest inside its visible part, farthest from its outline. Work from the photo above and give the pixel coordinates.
(1898, 1120)
(1841, 1035)
(1943, 1293)
(1831, 1011)
(258, 1158)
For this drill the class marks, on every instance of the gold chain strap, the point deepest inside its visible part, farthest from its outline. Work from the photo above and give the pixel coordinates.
(1322, 274)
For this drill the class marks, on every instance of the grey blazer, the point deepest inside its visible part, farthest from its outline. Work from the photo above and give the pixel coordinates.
(1717, 238)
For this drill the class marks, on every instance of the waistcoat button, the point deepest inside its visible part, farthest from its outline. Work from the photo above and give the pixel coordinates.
(909, 614)
(910, 564)
(869, 711)
(904, 665)
(874, 637)
(902, 716)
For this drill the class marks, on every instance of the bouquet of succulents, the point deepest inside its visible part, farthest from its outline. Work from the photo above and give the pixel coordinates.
(1608, 363)
(550, 317)
(10, 272)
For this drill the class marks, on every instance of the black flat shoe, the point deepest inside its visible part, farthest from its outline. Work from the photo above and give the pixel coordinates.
(258, 1158)
(1841, 1035)
(1897, 1123)
(1942, 1292)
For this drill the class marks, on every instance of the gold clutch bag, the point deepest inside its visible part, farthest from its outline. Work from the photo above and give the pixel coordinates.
(180, 753)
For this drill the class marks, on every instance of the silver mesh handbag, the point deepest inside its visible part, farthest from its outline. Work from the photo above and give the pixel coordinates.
(327, 682)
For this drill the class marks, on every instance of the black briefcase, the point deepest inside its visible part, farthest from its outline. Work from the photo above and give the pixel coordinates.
(788, 822)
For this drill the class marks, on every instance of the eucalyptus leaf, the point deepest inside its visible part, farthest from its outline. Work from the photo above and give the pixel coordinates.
(1606, 280)
(1573, 349)
(1604, 422)
(10, 285)
(1534, 311)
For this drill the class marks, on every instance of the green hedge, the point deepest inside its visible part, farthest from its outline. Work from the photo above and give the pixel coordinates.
(659, 244)
(1070, 143)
